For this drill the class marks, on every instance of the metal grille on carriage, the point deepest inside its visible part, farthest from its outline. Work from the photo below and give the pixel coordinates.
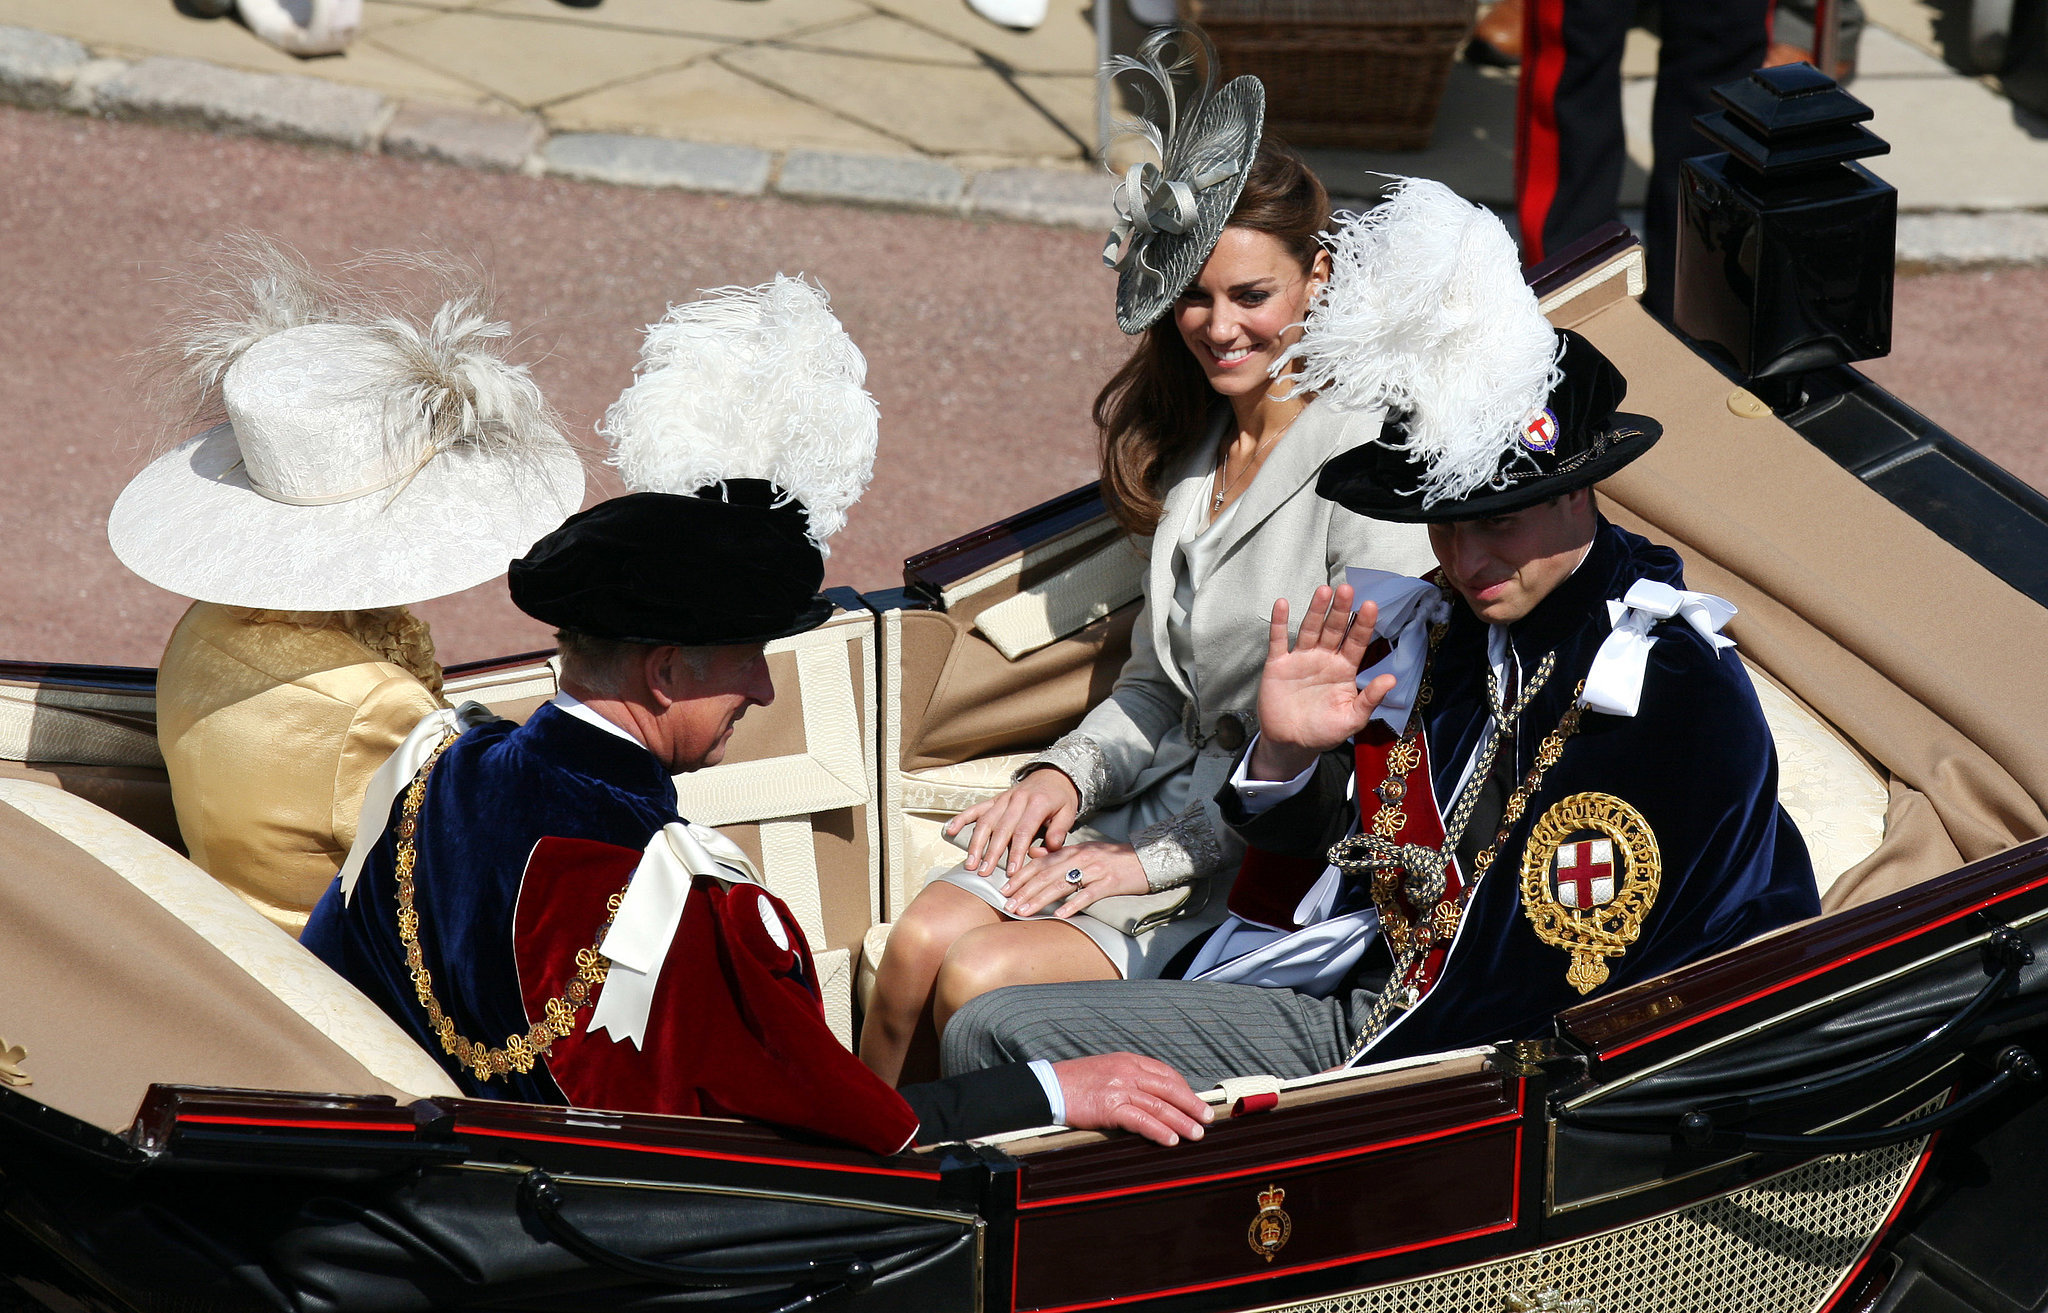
(1784, 1244)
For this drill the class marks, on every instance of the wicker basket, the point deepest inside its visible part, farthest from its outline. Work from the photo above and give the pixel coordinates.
(1359, 74)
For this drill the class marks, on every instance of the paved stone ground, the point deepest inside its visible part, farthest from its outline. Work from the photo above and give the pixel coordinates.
(922, 103)
(986, 340)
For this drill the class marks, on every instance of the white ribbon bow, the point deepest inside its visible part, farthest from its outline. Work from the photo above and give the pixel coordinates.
(1615, 683)
(1408, 607)
(649, 915)
(1149, 202)
(386, 784)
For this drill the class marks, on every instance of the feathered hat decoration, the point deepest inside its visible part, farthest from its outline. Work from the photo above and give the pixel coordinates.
(1427, 317)
(360, 456)
(1172, 208)
(1426, 314)
(745, 436)
(750, 383)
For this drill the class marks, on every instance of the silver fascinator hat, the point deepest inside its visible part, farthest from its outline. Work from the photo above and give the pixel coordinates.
(1170, 210)
(367, 459)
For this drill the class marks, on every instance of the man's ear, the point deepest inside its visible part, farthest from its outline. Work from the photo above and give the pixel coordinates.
(661, 670)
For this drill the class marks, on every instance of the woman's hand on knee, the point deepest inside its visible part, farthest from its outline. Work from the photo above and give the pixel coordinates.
(1006, 826)
(1105, 870)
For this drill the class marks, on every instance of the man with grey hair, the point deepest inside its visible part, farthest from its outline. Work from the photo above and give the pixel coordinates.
(537, 914)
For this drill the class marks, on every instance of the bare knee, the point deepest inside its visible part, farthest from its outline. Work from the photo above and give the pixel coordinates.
(1013, 953)
(977, 962)
(935, 920)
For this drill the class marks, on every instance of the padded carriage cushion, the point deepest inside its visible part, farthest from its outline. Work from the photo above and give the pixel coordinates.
(1829, 790)
(128, 966)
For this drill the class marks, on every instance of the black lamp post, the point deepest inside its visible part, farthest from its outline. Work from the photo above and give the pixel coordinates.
(1785, 244)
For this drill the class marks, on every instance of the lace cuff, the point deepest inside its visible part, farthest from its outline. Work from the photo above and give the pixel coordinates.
(1076, 757)
(1179, 849)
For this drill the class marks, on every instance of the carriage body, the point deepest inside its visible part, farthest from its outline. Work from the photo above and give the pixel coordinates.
(1837, 1116)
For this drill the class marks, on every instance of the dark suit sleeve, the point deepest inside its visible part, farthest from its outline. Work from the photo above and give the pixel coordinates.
(1306, 824)
(986, 1102)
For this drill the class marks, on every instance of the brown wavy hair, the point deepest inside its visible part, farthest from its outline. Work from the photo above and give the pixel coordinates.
(1156, 408)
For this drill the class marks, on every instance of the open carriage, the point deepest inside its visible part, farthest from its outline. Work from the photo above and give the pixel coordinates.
(196, 1114)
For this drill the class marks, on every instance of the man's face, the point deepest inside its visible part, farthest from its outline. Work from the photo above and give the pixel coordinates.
(698, 724)
(1504, 565)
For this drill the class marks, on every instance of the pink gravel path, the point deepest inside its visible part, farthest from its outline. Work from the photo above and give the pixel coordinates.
(985, 341)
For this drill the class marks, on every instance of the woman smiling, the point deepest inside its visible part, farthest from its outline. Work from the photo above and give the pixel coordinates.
(1107, 857)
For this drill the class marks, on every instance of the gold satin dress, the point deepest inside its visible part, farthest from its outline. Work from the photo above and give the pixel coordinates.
(271, 731)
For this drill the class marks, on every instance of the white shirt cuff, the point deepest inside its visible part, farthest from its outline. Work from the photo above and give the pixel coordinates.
(1263, 795)
(1053, 1094)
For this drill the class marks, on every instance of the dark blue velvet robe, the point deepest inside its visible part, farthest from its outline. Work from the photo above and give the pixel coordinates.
(494, 794)
(1697, 760)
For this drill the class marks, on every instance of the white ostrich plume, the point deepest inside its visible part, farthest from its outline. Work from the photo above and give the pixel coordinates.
(1426, 314)
(750, 383)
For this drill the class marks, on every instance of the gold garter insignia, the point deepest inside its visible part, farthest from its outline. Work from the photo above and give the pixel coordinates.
(1589, 877)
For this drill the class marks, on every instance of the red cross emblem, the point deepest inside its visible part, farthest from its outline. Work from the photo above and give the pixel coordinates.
(1585, 873)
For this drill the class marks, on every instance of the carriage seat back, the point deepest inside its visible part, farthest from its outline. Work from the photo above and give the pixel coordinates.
(129, 966)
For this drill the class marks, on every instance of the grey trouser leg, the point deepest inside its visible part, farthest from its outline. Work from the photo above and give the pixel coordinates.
(1205, 1031)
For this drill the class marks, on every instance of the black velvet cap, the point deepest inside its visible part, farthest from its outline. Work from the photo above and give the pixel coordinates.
(1578, 440)
(657, 568)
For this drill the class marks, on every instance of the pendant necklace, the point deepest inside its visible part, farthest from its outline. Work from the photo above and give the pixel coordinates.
(1216, 502)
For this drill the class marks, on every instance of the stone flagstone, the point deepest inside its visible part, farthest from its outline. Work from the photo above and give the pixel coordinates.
(529, 63)
(290, 108)
(36, 69)
(656, 162)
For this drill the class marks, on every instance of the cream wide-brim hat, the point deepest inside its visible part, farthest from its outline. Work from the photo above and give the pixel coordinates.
(243, 514)
(191, 524)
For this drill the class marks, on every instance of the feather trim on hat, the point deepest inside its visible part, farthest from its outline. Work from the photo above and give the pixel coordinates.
(1192, 149)
(750, 383)
(1427, 314)
(249, 288)
(445, 381)
(449, 387)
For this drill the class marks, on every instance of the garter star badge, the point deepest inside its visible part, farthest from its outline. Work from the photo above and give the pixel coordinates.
(1540, 433)
(1272, 1228)
(1589, 877)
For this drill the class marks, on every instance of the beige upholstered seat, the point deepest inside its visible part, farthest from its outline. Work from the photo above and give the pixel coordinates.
(65, 861)
(1832, 794)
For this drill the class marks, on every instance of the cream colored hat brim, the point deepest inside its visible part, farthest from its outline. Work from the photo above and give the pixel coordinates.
(192, 524)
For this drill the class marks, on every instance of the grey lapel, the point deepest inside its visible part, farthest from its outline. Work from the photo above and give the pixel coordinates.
(1311, 440)
(1188, 485)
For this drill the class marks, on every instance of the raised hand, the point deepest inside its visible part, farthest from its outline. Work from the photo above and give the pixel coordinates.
(1009, 824)
(1124, 1091)
(1309, 699)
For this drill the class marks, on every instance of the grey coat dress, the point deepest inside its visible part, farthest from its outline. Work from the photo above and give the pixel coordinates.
(1149, 759)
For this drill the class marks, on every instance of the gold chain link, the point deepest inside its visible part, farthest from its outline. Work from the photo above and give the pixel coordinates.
(559, 1017)
(1444, 918)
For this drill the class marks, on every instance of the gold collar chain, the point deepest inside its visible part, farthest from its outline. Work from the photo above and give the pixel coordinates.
(559, 1017)
(1440, 923)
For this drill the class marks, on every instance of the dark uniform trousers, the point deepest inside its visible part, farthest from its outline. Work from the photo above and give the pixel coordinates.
(1569, 146)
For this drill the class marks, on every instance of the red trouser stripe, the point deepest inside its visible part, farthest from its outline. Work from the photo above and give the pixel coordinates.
(1536, 135)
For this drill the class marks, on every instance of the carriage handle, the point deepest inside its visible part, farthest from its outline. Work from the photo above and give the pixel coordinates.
(2015, 1064)
(2004, 952)
(1699, 1131)
(824, 1278)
